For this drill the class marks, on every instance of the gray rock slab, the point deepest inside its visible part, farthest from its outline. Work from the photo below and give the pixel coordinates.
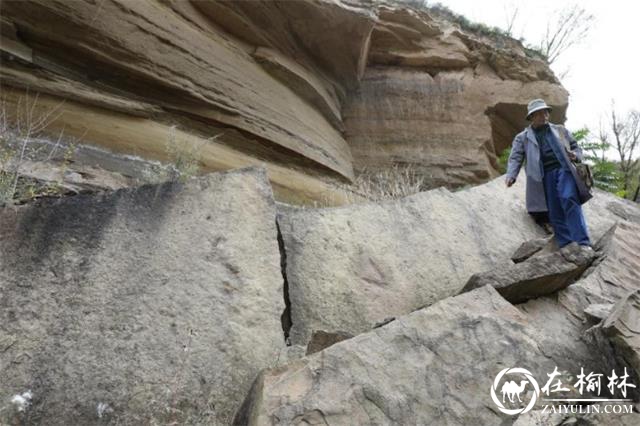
(613, 275)
(529, 248)
(622, 327)
(161, 303)
(598, 311)
(432, 366)
(564, 328)
(351, 267)
(537, 276)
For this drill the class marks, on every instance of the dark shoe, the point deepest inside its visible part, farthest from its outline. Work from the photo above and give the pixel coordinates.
(547, 228)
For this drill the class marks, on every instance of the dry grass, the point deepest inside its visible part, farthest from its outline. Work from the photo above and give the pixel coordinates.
(390, 183)
(21, 137)
(185, 160)
(387, 184)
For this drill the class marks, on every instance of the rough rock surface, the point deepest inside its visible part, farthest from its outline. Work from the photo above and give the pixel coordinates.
(416, 369)
(535, 277)
(438, 125)
(321, 340)
(276, 83)
(133, 65)
(563, 327)
(529, 248)
(82, 168)
(350, 267)
(162, 302)
(598, 311)
(622, 327)
(616, 273)
(442, 99)
(433, 366)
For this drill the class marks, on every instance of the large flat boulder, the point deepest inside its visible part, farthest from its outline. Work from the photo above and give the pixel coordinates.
(154, 304)
(349, 268)
(433, 366)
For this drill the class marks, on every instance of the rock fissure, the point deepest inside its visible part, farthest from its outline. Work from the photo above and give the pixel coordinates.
(285, 318)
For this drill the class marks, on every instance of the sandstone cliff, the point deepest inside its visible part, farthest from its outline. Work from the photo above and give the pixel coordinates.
(220, 300)
(315, 90)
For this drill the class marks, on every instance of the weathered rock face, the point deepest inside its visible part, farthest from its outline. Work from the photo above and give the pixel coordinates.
(614, 276)
(536, 277)
(563, 323)
(310, 89)
(622, 327)
(531, 247)
(350, 267)
(427, 366)
(202, 65)
(84, 168)
(433, 366)
(441, 99)
(162, 302)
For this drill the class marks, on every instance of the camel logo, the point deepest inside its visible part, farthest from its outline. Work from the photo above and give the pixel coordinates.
(511, 390)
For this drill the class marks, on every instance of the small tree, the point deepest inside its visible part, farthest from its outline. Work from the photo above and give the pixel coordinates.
(606, 174)
(626, 133)
(511, 15)
(570, 27)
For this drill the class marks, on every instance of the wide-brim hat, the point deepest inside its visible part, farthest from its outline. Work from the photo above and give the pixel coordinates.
(536, 105)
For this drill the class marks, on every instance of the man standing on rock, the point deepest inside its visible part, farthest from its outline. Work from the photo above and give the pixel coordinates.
(551, 178)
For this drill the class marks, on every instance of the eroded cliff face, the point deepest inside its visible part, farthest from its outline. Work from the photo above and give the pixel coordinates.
(442, 99)
(315, 90)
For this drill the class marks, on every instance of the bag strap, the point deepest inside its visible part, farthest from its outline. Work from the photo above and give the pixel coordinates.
(564, 140)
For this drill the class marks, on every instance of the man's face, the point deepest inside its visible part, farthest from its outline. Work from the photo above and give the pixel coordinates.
(540, 117)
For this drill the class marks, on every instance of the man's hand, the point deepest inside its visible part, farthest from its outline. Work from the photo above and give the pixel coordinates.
(510, 181)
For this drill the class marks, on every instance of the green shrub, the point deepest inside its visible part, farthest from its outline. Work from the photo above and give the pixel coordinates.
(503, 160)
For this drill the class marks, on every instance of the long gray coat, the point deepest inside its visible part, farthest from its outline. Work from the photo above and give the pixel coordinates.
(525, 146)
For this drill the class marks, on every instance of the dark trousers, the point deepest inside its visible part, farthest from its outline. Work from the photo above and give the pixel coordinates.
(565, 211)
